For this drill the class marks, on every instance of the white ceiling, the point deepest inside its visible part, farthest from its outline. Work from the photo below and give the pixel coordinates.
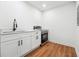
(49, 4)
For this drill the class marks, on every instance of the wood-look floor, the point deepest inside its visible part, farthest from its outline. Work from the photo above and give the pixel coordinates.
(53, 50)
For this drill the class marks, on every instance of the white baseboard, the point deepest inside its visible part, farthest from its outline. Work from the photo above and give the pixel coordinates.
(77, 52)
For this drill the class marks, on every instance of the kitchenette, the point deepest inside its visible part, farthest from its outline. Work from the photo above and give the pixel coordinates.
(38, 28)
(19, 42)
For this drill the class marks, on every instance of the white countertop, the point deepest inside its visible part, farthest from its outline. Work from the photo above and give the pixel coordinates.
(15, 32)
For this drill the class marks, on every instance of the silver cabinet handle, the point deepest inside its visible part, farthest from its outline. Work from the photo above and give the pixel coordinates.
(36, 37)
(21, 42)
(36, 32)
(18, 43)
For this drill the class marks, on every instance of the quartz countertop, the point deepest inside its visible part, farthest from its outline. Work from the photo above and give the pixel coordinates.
(16, 32)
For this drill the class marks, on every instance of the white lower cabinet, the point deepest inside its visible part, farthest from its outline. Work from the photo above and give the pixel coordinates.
(16, 48)
(36, 42)
(20, 45)
(26, 45)
(9, 49)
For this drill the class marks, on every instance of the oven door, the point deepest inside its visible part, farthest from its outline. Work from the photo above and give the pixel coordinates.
(44, 37)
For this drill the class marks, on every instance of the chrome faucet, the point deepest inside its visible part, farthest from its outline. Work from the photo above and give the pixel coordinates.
(14, 25)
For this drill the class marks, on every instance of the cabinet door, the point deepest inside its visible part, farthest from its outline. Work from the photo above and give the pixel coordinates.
(26, 45)
(36, 40)
(9, 49)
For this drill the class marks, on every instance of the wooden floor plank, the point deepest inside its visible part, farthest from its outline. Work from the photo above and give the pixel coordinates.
(53, 50)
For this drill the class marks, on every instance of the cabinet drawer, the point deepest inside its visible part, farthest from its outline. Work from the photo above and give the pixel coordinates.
(16, 36)
(9, 37)
(35, 43)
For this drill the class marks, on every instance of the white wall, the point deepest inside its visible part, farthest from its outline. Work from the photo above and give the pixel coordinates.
(77, 40)
(61, 23)
(25, 15)
(77, 35)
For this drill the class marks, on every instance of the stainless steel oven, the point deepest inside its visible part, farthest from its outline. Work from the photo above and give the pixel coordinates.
(44, 36)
